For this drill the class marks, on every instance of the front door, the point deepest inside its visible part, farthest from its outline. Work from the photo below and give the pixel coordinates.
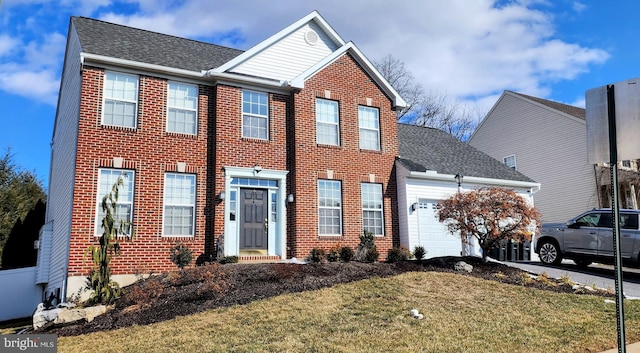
(253, 219)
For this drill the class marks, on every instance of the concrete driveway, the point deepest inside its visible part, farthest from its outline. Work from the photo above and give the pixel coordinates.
(601, 276)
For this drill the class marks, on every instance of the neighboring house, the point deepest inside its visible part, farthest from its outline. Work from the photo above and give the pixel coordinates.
(263, 154)
(546, 141)
(434, 165)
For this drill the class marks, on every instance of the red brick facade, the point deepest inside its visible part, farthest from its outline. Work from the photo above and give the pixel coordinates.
(150, 151)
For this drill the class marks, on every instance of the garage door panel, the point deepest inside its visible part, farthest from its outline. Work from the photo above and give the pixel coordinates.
(433, 235)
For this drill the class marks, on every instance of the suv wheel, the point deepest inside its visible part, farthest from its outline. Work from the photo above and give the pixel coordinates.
(550, 253)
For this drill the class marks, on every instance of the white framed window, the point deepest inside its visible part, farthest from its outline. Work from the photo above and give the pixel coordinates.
(124, 206)
(329, 207)
(120, 105)
(327, 122)
(182, 104)
(255, 115)
(510, 161)
(372, 214)
(179, 204)
(369, 121)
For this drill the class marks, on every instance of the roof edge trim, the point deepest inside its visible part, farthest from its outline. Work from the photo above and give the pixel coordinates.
(433, 175)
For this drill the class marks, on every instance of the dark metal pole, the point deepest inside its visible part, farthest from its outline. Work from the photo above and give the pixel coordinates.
(615, 210)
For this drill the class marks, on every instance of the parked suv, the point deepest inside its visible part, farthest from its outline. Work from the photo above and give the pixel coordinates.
(589, 237)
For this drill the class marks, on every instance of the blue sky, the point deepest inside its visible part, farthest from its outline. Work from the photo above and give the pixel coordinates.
(470, 51)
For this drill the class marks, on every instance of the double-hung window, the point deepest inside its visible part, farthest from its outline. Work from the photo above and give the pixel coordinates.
(182, 102)
(120, 99)
(369, 121)
(255, 115)
(327, 122)
(123, 212)
(329, 207)
(372, 216)
(179, 204)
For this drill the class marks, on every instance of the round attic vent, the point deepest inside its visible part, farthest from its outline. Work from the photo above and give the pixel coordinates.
(311, 37)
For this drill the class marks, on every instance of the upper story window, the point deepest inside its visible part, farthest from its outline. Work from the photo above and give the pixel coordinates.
(107, 178)
(327, 122)
(510, 161)
(182, 103)
(255, 115)
(329, 207)
(120, 99)
(372, 217)
(179, 204)
(369, 121)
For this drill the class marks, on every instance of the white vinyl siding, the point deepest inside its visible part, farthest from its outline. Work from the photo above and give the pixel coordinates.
(255, 115)
(182, 104)
(179, 204)
(329, 207)
(120, 99)
(372, 213)
(289, 57)
(369, 122)
(327, 122)
(551, 149)
(124, 205)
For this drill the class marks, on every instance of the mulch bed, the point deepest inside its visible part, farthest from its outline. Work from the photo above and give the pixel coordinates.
(193, 290)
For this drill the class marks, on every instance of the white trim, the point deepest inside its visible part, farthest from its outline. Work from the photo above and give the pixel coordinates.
(313, 16)
(298, 82)
(84, 57)
(433, 175)
(231, 247)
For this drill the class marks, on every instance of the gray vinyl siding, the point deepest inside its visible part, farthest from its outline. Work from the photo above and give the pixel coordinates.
(63, 161)
(550, 148)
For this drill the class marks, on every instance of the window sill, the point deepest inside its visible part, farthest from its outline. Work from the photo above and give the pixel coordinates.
(256, 140)
(119, 128)
(338, 147)
(370, 151)
(181, 135)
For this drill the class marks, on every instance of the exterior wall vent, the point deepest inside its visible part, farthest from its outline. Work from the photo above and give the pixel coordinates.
(311, 37)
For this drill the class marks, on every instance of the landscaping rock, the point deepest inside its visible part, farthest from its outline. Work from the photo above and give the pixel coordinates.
(65, 314)
(463, 266)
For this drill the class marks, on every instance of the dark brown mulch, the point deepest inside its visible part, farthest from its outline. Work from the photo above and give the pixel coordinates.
(167, 296)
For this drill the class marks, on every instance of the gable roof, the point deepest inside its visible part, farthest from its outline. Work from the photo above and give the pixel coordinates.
(138, 45)
(424, 148)
(565, 108)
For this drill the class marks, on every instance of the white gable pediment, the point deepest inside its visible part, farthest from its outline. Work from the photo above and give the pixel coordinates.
(290, 56)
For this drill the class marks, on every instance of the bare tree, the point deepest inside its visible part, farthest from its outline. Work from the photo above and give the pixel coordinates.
(432, 110)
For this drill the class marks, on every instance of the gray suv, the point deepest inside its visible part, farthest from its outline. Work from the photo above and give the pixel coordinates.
(589, 237)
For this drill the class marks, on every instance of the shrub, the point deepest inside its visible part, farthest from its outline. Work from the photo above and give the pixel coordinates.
(367, 251)
(346, 254)
(181, 255)
(333, 255)
(228, 260)
(372, 255)
(316, 255)
(419, 252)
(398, 254)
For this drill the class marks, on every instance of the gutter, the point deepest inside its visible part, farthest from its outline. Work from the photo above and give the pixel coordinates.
(211, 75)
(433, 175)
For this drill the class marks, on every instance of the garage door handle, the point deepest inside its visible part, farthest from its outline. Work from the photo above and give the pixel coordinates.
(592, 232)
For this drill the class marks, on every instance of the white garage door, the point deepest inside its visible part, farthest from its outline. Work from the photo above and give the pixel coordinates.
(433, 235)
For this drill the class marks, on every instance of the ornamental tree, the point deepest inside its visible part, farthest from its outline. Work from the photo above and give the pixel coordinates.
(489, 214)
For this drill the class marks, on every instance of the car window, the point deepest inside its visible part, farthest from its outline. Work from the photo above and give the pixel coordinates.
(605, 221)
(629, 221)
(589, 220)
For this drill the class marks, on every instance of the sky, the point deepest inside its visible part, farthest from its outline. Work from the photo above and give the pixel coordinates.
(470, 51)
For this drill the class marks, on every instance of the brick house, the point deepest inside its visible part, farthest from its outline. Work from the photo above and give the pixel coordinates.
(262, 154)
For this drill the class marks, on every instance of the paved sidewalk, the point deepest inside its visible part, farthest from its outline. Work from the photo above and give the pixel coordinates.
(631, 348)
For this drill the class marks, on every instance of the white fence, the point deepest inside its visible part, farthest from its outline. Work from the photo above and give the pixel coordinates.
(19, 295)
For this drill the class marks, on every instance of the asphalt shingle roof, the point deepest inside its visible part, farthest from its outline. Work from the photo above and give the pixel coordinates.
(122, 42)
(565, 108)
(424, 148)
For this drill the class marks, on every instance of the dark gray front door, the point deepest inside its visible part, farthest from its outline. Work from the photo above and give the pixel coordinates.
(253, 219)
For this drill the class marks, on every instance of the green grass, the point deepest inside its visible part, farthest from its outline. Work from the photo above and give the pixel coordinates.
(462, 314)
